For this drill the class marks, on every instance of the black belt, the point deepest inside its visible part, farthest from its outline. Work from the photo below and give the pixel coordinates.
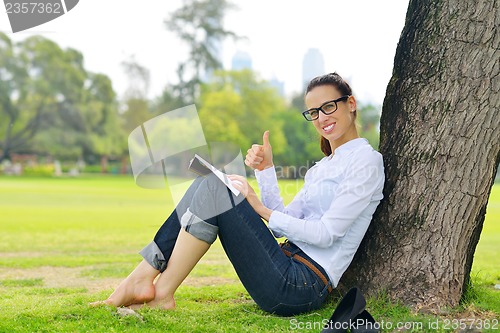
(306, 262)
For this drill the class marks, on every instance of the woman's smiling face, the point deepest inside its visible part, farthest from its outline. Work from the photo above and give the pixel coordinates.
(338, 127)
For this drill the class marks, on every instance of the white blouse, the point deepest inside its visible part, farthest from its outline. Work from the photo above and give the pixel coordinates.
(329, 216)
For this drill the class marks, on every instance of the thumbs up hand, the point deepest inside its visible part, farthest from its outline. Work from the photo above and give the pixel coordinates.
(260, 157)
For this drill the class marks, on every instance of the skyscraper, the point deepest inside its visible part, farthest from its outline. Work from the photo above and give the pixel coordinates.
(241, 60)
(278, 85)
(312, 65)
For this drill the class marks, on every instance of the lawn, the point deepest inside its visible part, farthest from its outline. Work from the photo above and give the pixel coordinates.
(65, 242)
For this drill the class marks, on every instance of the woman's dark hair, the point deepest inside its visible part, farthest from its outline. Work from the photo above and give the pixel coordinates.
(331, 79)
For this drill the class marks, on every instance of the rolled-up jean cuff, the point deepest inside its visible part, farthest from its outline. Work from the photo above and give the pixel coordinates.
(153, 255)
(198, 228)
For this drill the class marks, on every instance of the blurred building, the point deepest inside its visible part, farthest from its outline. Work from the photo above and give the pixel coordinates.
(278, 85)
(312, 65)
(241, 60)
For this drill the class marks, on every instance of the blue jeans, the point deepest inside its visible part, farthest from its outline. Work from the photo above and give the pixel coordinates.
(277, 283)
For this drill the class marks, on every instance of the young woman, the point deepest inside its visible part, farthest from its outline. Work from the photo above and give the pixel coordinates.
(324, 224)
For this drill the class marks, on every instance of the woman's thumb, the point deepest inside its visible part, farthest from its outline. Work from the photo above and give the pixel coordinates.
(265, 139)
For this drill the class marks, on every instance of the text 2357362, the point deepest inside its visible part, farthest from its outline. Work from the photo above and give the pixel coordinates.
(33, 7)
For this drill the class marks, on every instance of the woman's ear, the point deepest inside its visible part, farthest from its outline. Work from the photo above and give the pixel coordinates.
(352, 103)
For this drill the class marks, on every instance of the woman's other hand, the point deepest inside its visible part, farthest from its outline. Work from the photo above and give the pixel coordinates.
(260, 157)
(241, 184)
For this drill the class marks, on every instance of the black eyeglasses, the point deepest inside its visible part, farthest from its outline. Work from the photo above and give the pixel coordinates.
(327, 108)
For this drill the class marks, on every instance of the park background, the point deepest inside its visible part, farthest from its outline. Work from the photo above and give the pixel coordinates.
(72, 218)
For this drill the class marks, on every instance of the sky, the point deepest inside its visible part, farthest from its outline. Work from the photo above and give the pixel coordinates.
(357, 38)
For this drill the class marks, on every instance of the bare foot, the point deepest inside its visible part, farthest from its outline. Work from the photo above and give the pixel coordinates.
(129, 292)
(164, 304)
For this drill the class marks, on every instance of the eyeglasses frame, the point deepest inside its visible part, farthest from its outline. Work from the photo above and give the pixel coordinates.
(320, 109)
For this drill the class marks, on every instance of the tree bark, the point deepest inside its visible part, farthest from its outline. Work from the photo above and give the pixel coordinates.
(440, 138)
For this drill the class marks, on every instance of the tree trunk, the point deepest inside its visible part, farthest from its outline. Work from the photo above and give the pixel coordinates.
(440, 138)
(104, 164)
(4, 155)
(6, 144)
(124, 164)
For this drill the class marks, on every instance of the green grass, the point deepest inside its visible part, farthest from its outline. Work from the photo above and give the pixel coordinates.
(66, 242)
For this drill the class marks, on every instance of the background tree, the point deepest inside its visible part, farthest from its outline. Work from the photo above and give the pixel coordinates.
(368, 119)
(440, 138)
(302, 139)
(41, 87)
(237, 106)
(104, 133)
(49, 103)
(14, 131)
(136, 108)
(199, 24)
(83, 122)
(167, 101)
